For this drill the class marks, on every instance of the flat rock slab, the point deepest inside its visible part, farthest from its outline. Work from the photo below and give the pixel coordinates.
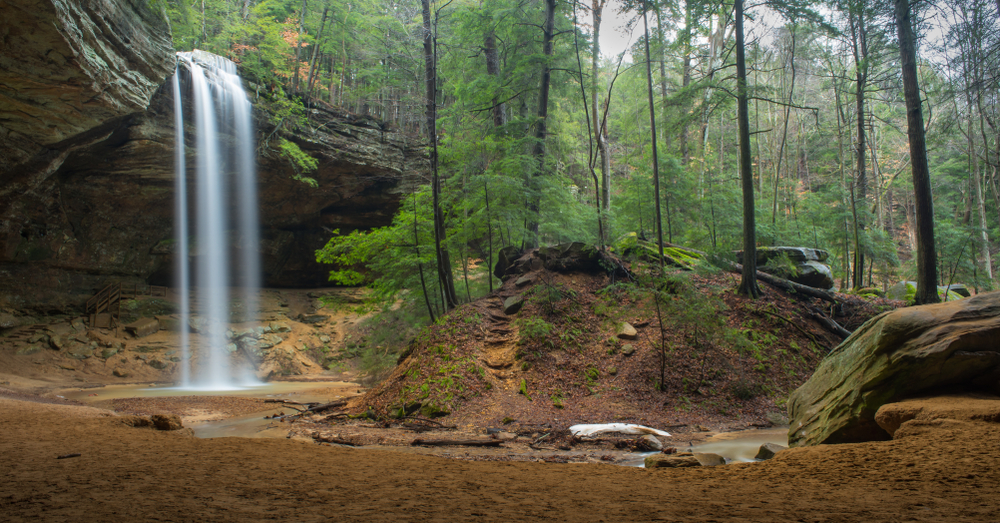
(892, 416)
(143, 327)
(914, 351)
(671, 461)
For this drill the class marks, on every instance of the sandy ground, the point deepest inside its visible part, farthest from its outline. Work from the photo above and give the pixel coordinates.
(937, 470)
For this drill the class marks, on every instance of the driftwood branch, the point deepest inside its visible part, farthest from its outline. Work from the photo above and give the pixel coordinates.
(336, 440)
(314, 408)
(457, 442)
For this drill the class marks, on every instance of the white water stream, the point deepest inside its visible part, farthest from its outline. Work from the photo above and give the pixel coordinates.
(225, 191)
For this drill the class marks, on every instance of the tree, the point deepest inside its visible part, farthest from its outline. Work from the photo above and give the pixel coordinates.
(748, 281)
(541, 129)
(926, 255)
(652, 127)
(430, 70)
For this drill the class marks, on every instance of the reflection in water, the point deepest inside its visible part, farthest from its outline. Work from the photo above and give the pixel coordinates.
(742, 446)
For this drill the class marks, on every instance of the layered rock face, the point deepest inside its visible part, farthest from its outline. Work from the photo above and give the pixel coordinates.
(87, 190)
(914, 351)
(70, 66)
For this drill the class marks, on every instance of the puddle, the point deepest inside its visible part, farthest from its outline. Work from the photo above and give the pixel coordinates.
(302, 391)
(246, 426)
(741, 446)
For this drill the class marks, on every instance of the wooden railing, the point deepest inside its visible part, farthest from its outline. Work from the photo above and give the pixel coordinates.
(108, 301)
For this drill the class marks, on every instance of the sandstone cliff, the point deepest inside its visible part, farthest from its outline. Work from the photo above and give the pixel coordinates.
(86, 156)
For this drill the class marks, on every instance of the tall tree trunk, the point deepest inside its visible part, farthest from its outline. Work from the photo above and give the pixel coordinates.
(315, 54)
(664, 117)
(784, 132)
(686, 78)
(859, 46)
(926, 254)
(748, 281)
(430, 72)
(652, 127)
(541, 129)
(493, 69)
(597, 8)
(298, 46)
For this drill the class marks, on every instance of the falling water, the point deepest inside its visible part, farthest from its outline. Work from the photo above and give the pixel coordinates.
(181, 226)
(225, 172)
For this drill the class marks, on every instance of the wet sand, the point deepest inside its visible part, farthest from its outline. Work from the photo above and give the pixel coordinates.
(940, 470)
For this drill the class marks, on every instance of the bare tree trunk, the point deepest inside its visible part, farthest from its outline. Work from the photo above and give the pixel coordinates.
(493, 69)
(652, 126)
(859, 46)
(748, 281)
(926, 254)
(541, 129)
(315, 54)
(686, 78)
(784, 132)
(597, 9)
(430, 70)
(298, 46)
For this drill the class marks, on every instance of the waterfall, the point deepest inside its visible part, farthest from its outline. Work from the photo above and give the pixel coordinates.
(225, 191)
(183, 280)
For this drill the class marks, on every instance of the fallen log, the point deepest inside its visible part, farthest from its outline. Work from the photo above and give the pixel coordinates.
(317, 408)
(829, 324)
(457, 442)
(789, 286)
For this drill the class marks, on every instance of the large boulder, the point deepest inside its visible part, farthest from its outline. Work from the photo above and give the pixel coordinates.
(907, 291)
(898, 354)
(806, 265)
(571, 257)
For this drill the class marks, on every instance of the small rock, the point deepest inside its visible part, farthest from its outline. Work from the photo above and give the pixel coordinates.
(628, 349)
(78, 325)
(671, 461)
(166, 421)
(118, 373)
(80, 352)
(651, 443)
(627, 332)
(523, 280)
(157, 364)
(324, 338)
(8, 321)
(279, 326)
(313, 319)
(57, 342)
(768, 450)
(513, 304)
(709, 460)
(29, 349)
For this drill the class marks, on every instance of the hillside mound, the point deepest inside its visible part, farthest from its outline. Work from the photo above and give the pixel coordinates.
(709, 357)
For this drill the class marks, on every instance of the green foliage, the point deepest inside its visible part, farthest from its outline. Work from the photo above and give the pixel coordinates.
(532, 330)
(300, 161)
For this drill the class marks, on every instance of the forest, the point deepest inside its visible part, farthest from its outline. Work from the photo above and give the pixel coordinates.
(542, 137)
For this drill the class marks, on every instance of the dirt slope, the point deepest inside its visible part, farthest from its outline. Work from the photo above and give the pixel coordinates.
(728, 361)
